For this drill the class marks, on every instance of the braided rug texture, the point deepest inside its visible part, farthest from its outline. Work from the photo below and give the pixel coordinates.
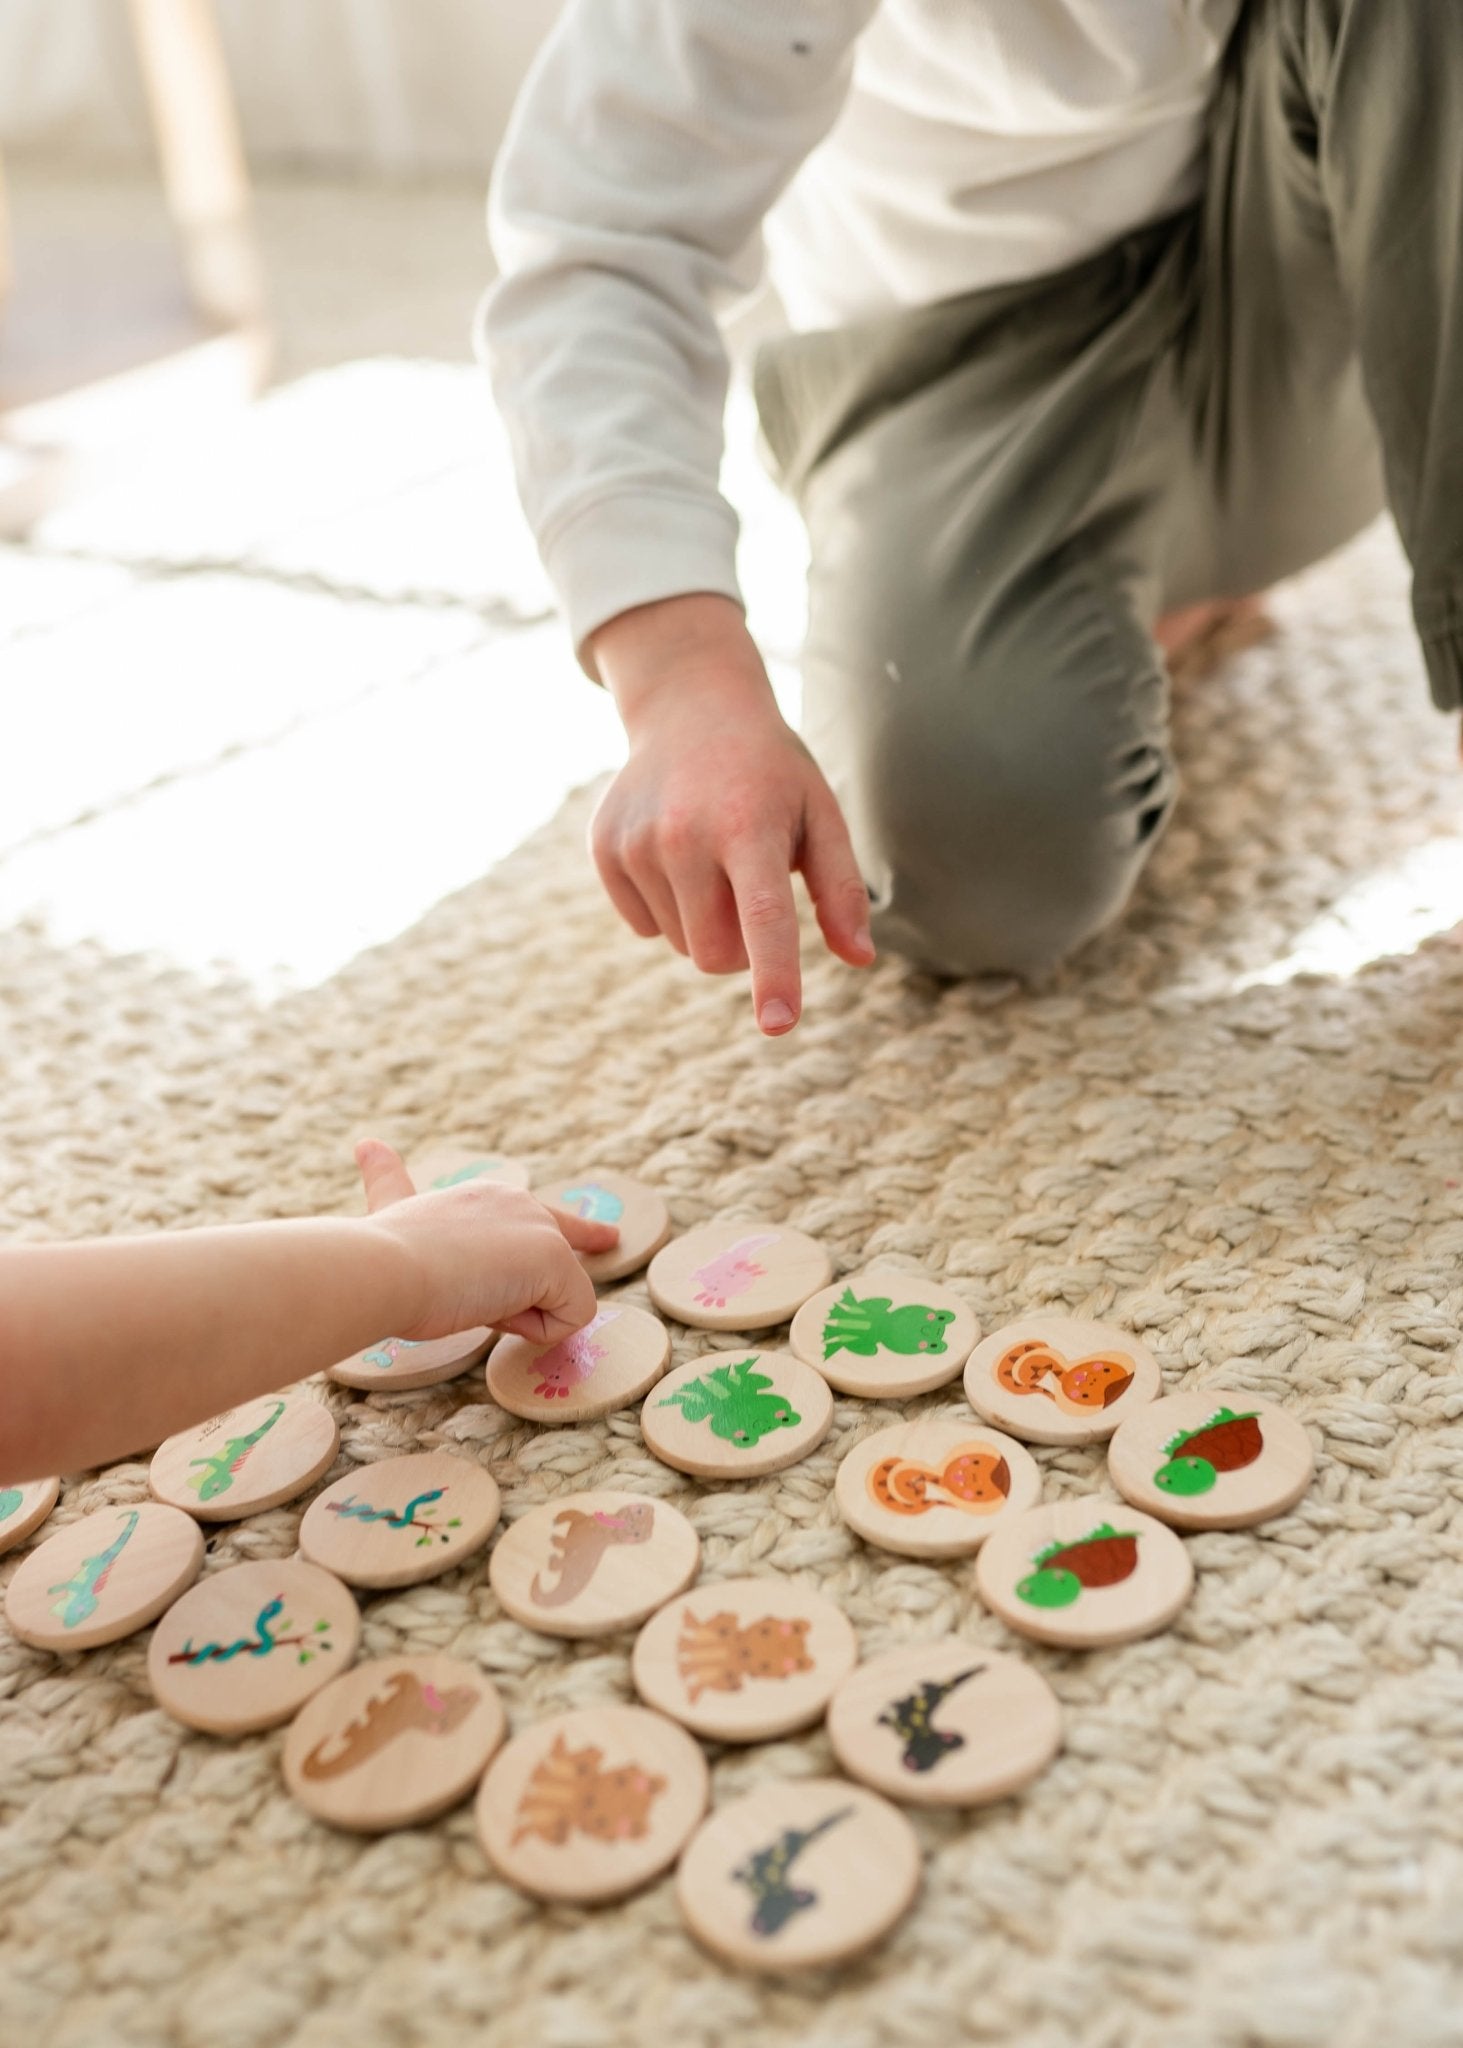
(1254, 1837)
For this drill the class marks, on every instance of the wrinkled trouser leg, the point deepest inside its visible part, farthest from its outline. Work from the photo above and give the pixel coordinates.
(1003, 491)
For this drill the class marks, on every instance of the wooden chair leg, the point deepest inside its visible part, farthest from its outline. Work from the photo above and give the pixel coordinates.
(202, 158)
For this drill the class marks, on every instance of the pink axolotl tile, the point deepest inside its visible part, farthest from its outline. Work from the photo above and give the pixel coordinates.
(729, 1275)
(573, 1360)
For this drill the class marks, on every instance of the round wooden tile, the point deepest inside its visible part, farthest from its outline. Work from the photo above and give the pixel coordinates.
(593, 1563)
(245, 1647)
(401, 1520)
(737, 1276)
(593, 1804)
(453, 1161)
(798, 1874)
(881, 1333)
(935, 1488)
(638, 1212)
(615, 1359)
(1055, 1380)
(1205, 1459)
(24, 1508)
(101, 1578)
(945, 1724)
(397, 1364)
(396, 1741)
(745, 1659)
(252, 1458)
(1084, 1573)
(737, 1414)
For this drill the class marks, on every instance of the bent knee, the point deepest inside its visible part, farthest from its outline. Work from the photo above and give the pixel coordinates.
(1022, 871)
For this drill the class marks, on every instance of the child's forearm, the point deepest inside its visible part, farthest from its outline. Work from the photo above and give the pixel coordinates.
(106, 1348)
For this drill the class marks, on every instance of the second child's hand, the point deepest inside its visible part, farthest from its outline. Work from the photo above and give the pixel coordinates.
(699, 835)
(478, 1253)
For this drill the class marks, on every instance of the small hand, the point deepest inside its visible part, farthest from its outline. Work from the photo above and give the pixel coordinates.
(483, 1253)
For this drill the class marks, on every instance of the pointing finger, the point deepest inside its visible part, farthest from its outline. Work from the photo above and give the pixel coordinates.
(768, 917)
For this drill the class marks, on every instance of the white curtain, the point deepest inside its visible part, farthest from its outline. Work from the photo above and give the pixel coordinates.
(399, 87)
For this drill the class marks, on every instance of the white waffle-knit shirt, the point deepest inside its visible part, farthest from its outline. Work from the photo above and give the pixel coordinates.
(886, 153)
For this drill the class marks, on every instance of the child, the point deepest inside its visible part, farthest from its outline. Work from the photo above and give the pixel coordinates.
(107, 1347)
(1103, 310)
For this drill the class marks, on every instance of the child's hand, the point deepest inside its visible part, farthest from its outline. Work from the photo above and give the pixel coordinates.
(484, 1254)
(719, 802)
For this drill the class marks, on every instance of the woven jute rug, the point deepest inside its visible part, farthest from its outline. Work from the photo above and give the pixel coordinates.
(1240, 1138)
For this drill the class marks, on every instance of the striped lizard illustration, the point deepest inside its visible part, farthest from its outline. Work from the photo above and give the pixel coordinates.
(220, 1468)
(80, 1594)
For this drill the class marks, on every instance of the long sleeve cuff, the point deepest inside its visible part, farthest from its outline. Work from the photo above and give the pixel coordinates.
(637, 548)
(1438, 611)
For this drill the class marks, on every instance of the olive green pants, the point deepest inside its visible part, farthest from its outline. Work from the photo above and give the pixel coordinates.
(1005, 490)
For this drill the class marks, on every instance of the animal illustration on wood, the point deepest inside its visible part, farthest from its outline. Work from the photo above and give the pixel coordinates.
(310, 1643)
(594, 1202)
(352, 1510)
(737, 1401)
(729, 1275)
(1064, 1571)
(472, 1171)
(720, 1655)
(574, 1359)
(406, 1705)
(1077, 1388)
(974, 1480)
(912, 1720)
(386, 1353)
(1195, 1458)
(80, 1595)
(580, 1540)
(870, 1324)
(570, 1791)
(217, 1471)
(765, 1874)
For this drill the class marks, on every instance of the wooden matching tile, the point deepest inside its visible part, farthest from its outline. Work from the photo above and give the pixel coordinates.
(1058, 1380)
(590, 1805)
(103, 1577)
(1083, 1573)
(401, 1520)
(592, 1563)
(799, 1874)
(945, 1723)
(884, 1334)
(744, 1660)
(934, 1488)
(1206, 1459)
(737, 1414)
(247, 1646)
(394, 1742)
(448, 1162)
(737, 1276)
(251, 1458)
(611, 1363)
(23, 1508)
(400, 1364)
(638, 1212)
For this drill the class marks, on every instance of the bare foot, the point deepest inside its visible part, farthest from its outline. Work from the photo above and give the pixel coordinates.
(1197, 639)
